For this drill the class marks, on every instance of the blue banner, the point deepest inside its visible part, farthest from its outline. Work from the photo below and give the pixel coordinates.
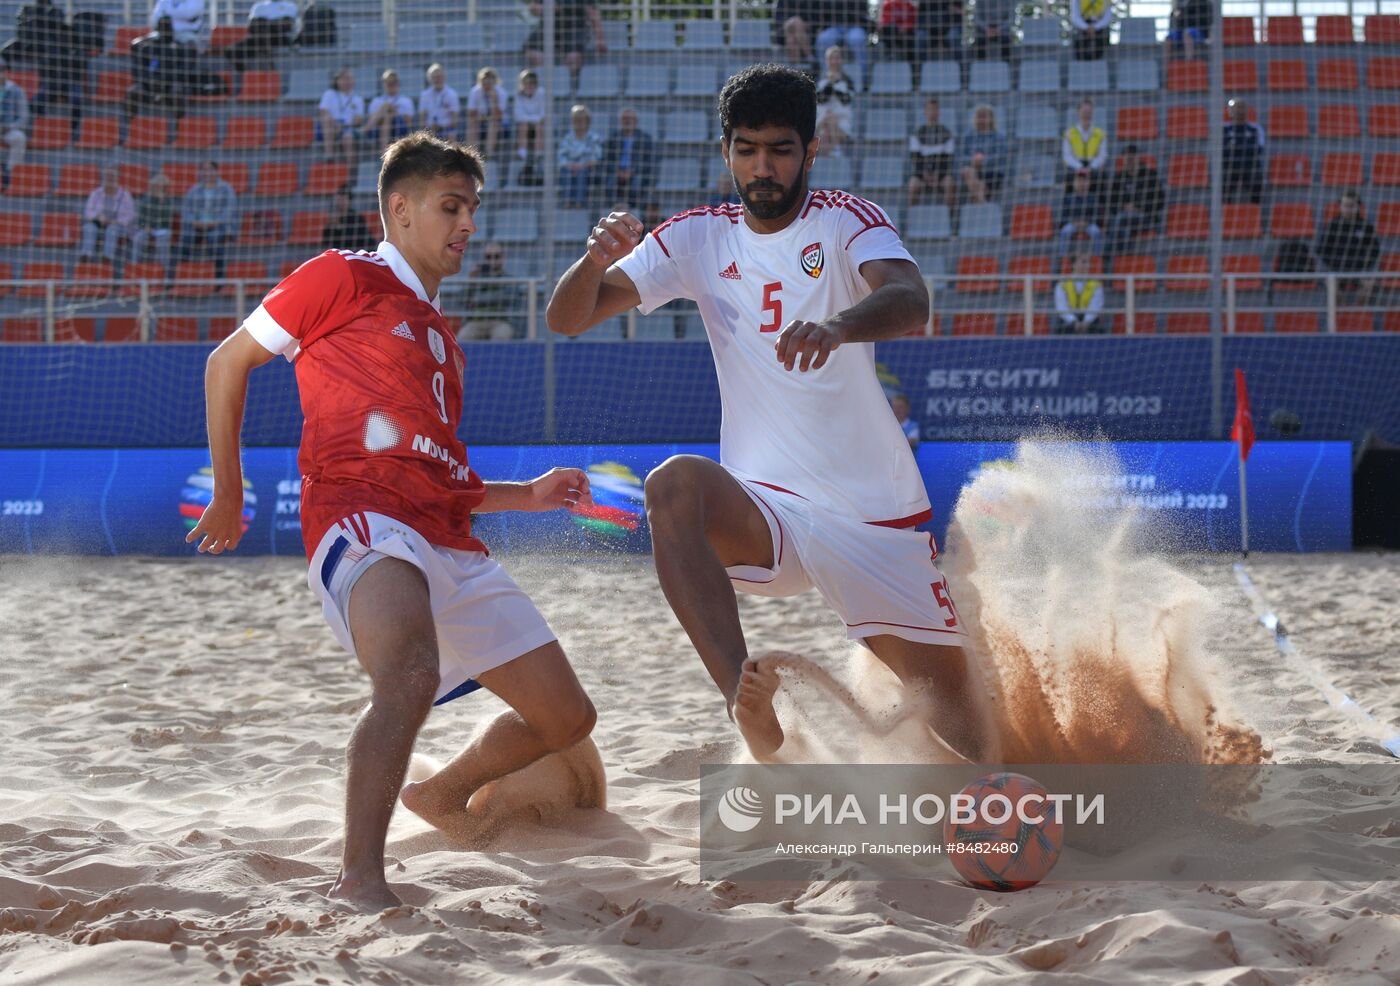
(142, 501)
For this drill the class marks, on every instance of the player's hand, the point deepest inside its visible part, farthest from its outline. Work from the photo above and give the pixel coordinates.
(807, 345)
(220, 528)
(615, 236)
(560, 487)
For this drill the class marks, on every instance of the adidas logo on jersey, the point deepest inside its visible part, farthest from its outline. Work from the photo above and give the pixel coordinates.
(732, 271)
(404, 332)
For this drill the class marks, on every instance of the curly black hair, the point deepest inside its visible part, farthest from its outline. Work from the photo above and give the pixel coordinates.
(769, 95)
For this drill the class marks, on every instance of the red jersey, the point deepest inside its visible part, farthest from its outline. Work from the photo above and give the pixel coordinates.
(380, 377)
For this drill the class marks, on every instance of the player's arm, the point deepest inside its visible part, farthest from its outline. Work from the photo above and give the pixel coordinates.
(897, 306)
(225, 390)
(555, 489)
(594, 290)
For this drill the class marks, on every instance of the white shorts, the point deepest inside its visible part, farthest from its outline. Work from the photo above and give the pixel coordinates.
(879, 580)
(483, 618)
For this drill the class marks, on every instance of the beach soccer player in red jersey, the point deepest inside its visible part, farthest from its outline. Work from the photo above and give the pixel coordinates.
(816, 484)
(386, 504)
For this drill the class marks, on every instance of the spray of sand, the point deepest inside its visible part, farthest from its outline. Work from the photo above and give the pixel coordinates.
(1091, 646)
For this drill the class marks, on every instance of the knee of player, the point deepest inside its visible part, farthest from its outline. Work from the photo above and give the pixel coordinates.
(673, 487)
(412, 683)
(573, 723)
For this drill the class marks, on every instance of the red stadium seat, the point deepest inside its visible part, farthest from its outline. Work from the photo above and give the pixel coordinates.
(260, 86)
(1288, 121)
(22, 330)
(1388, 219)
(1354, 321)
(136, 272)
(77, 180)
(1237, 31)
(127, 33)
(1188, 171)
(277, 179)
(15, 228)
(148, 133)
(1391, 321)
(1095, 265)
(1240, 75)
(7, 273)
(98, 133)
(1189, 264)
(1246, 323)
(28, 181)
(1285, 30)
(1038, 267)
(375, 222)
(188, 271)
(1292, 220)
(227, 35)
(1382, 29)
(88, 278)
(1337, 74)
(1184, 76)
(1144, 323)
(1187, 123)
(135, 178)
(222, 328)
(1187, 221)
(1383, 73)
(40, 271)
(974, 324)
(1338, 120)
(1137, 123)
(1334, 29)
(1241, 221)
(236, 174)
(176, 330)
(1385, 169)
(196, 132)
(307, 229)
(182, 175)
(1246, 263)
(1187, 323)
(1341, 170)
(325, 177)
(1295, 321)
(1137, 266)
(254, 272)
(111, 87)
(50, 133)
(292, 133)
(245, 133)
(1290, 171)
(1287, 75)
(58, 229)
(973, 266)
(121, 330)
(1383, 120)
(1032, 222)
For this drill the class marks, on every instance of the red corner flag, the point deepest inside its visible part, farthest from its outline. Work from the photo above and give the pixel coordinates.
(1243, 429)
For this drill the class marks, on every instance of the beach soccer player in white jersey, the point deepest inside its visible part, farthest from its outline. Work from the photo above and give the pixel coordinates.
(816, 484)
(386, 502)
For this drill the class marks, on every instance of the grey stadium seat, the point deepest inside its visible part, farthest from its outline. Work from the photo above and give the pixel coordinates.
(1088, 76)
(936, 77)
(980, 222)
(882, 173)
(509, 36)
(751, 35)
(419, 36)
(928, 222)
(886, 124)
(572, 225)
(654, 36)
(989, 77)
(308, 84)
(616, 35)
(833, 172)
(686, 127)
(679, 175)
(648, 81)
(367, 178)
(704, 35)
(1138, 75)
(465, 37)
(1035, 121)
(599, 82)
(1040, 75)
(1040, 32)
(365, 35)
(891, 78)
(515, 225)
(696, 80)
(1137, 31)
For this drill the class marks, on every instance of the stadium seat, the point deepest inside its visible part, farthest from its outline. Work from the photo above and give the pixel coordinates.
(751, 35)
(307, 229)
(891, 79)
(648, 82)
(1188, 323)
(936, 77)
(1382, 29)
(831, 173)
(15, 228)
(1037, 121)
(22, 330)
(77, 180)
(7, 273)
(1295, 322)
(98, 133)
(195, 133)
(121, 330)
(260, 86)
(989, 77)
(236, 174)
(1383, 120)
(600, 81)
(1337, 74)
(1187, 123)
(1138, 75)
(1290, 171)
(1188, 171)
(1137, 32)
(1095, 265)
(1041, 32)
(1144, 323)
(182, 175)
(928, 222)
(696, 80)
(1288, 121)
(111, 87)
(1338, 120)
(1385, 170)
(135, 178)
(1241, 221)
(189, 271)
(147, 133)
(1184, 76)
(516, 226)
(658, 35)
(58, 229)
(254, 272)
(167, 329)
(245, 133)
(1088, 76)
(1334, 29)
(686, 127)
(326, 177)
(1388, 219)
(87, 280)
(424, 36)
(1341, 170)
(127, 33)
(882, 173)
(1383, 73)
(226, 36)
(261, 227)
(1039, 267)
(222, 328)
(1287, 75)
(1237, 31)
(40, 271)
(1136, 265)
(1391, 321)
(277, 179)
(50, 133)
(980, 222)
(886, 124)
(1137, 123)
(1189, 264)
(974, 324)
(1246, 263)
(974, 266)
(681, 175)
(29, 181)
(1355, 321)
(1284, 30)
(1240, 75)
(138, 271)
(1246, 323)
(1032, 222)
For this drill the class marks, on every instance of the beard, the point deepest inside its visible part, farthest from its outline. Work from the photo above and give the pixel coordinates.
(769, 208)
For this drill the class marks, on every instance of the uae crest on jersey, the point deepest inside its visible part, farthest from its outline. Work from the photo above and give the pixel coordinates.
(812, 260)
(435, 343)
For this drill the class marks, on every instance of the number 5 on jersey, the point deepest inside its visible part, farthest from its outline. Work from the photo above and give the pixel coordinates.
(772, 304)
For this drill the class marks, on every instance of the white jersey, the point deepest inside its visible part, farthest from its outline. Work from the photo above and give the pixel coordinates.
(828, 435)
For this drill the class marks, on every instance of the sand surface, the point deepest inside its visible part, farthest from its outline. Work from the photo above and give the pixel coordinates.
(173, 735)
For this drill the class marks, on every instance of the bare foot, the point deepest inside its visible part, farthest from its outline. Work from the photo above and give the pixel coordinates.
(425, 800)
(366, 893)
(753, 707)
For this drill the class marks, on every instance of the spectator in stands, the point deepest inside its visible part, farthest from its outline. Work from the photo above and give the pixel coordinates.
(629, 157)
(931, 159)
(44, 39)
(528, 111)
(155, 218)
(206, 217)
(1085, 146)
(1190, 25)
(1243, 155)
(1348, 245)
(580, 153)
(847, 22)
(391, 113)
(835, 93)
(1135, 201)
(339, 116)
(991, 25)
(439, 107)
(486, 112)
(162, 70)
(14, 121)
(187, 16)
(985, 155)
(109, 212)
(899, 29)
(943, 21)
(492, 302)
(899, 404)
(1080, 214)
(348, 230)
(793, 24)
(1090, 20)
(724, 190)
(1079, 300)
(272, 26)
(573, 21)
